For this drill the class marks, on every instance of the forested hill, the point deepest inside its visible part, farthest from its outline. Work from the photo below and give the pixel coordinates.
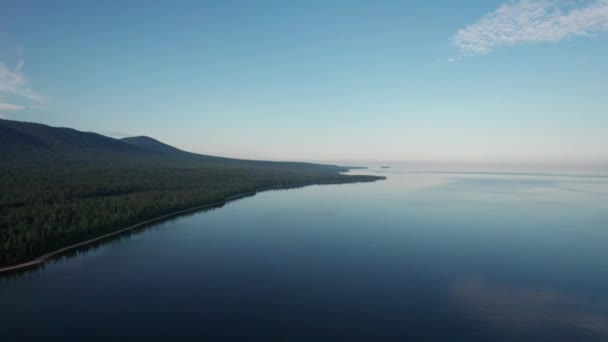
(153, 145)
(60, 186)
(25, 138)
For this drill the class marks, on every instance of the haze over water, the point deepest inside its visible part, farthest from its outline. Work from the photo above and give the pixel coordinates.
(429, 256)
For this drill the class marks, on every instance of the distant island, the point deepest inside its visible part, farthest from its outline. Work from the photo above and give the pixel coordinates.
(385, 167)
(61, 187)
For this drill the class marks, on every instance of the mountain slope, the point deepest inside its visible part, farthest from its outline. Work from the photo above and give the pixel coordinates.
(152, 145)
(33, 141)
(32, 136)
(26, 140)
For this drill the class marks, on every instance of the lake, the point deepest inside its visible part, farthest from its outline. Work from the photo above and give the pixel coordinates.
(419, 256)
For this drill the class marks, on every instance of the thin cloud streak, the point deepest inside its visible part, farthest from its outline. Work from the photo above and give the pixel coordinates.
(9, 106)
(14, 82)
(14, 85)
(529, 22)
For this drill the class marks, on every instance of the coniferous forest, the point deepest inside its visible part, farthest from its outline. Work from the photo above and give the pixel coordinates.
(59, 186)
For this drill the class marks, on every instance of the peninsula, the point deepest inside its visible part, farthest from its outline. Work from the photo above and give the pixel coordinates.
(62, 187)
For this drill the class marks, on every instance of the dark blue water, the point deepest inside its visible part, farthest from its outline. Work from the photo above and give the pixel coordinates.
(443, 257)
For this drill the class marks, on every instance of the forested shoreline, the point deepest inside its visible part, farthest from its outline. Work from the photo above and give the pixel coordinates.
(55, 197)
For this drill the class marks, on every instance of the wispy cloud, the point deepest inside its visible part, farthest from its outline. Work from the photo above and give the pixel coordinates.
(14, 87)
(529, 22)
(9, 106)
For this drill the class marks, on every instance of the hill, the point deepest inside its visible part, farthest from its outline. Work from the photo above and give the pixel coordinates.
(25, 140)
(28, 137)
(61, 186)
(152, 145)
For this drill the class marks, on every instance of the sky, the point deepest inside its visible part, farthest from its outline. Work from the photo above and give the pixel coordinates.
(429, 81)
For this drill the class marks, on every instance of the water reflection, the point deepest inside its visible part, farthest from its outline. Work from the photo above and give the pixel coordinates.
(498, 185)
(513, 185)
(526, 309)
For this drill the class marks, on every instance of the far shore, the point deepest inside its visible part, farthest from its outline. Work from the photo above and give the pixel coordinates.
(42, 259)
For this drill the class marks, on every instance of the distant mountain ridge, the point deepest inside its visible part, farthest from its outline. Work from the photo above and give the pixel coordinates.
(34, 135)
(19, 138)
(32, 141)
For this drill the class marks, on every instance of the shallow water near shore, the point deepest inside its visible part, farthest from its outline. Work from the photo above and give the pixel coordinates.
(427, 256)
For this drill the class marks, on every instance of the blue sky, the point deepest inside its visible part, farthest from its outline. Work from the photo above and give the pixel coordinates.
(482, 81)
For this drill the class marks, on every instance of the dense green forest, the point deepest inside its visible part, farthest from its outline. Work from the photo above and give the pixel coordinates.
(59, 186)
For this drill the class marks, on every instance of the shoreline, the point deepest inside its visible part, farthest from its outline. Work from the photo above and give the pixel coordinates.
(45, 257)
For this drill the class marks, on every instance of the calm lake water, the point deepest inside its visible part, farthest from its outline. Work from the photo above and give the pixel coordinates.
(420, 256)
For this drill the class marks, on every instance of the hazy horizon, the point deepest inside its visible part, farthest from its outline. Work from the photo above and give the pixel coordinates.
(490, 83)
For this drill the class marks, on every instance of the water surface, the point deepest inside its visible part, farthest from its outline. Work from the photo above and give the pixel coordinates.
(426, 256)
